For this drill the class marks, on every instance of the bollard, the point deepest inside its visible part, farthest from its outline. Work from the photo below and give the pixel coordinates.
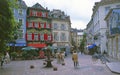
(31, 66)
(54, 68)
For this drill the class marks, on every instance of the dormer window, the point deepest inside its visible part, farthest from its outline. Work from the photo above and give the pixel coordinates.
(20, 11)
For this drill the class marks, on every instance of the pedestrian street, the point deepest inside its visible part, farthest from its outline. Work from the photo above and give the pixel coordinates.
(86, 67)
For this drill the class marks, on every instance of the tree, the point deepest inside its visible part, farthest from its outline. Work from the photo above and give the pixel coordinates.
(7, 23)
(82, 44)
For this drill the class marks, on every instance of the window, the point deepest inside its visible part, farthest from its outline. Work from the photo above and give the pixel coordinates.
(56, 36)
(42, 37)
(55, 26)
(36, 25)
(55, 16)
(42, 25)
(63, 27)
(30, 24)
(29, 36)
(36, 37)
(34, 13)
(63, 17)
(43, 14)
(20, 22)
(47, 25)
(49, 37)
(63, 37)
(20, 11)
(20, 34)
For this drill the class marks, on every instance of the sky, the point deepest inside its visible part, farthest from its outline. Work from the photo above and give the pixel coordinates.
(80, 11)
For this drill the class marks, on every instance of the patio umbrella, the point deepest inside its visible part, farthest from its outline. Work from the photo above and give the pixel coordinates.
(29, 48)
(91, 46)
(48, 47)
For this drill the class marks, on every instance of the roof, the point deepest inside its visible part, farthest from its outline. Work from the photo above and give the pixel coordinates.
(39, 6)
(22, 4)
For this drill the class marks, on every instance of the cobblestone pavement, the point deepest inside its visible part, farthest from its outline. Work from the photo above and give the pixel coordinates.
(86, 67)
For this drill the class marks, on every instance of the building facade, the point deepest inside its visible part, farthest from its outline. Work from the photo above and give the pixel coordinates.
(61, 29)
(76, 38)
(113, 32)
(38, 26)
(79, 38)
(100, 10)
(73, 37)
(20, 17)
(90, 33)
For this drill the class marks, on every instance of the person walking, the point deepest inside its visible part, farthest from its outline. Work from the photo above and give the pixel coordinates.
(2, 60)
(75, 59)
(7, 57)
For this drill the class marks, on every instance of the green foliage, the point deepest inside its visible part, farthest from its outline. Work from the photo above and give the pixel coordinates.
(29, 54)
(83, 41)
(7, 22)
(13, 55)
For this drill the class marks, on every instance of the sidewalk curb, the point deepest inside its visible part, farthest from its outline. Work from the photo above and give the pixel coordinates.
(114, 67)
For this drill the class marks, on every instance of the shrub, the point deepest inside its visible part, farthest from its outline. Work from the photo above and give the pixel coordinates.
(13, 55)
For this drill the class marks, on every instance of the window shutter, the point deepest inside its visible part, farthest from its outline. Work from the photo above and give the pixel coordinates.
(45, 37)
(40, 14)
(33, 24)
(38, 36)
(27, 24)
(32, 36)
(45, 25)
(46, 14)
(39, 26)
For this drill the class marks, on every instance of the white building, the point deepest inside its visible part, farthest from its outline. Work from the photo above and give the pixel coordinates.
(100, 10)
(61, 29)
(90, 33)
(79, 37)
(113, 33)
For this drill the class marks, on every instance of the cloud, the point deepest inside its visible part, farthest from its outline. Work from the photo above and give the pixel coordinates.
(78, 24)
(80, 11)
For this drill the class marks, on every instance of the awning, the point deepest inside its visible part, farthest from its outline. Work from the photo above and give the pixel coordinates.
(10, 44)
(20, 44)
(16, 44)
(91, 46)
(29, 48)
(37, 45)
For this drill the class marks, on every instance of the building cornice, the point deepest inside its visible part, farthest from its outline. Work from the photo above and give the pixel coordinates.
(38, 9)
